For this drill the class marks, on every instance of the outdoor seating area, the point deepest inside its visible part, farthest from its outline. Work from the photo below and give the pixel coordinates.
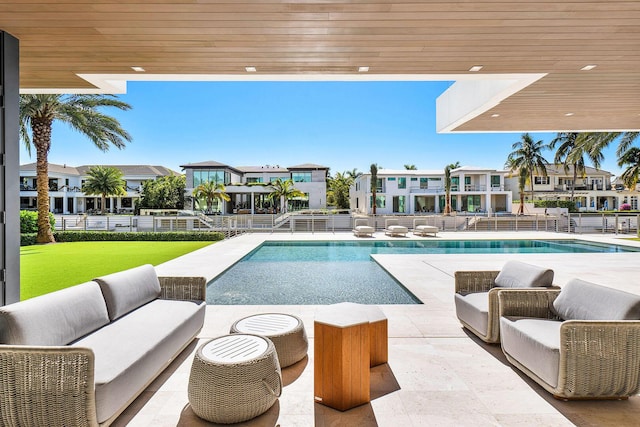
(421, 228)
(392, 228)
(362, 228)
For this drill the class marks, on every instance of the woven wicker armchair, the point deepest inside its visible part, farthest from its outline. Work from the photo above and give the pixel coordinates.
(54, 385)
(476, 294)
(594, 359)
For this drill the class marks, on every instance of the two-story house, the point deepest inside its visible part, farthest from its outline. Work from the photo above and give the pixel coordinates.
(249, 189)
(65, 187)
(412, 192)
(592, 189)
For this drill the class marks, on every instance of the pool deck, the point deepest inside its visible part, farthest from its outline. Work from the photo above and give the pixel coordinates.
(437, 375)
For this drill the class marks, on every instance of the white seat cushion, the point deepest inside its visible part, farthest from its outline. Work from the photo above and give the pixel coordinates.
(473, 309)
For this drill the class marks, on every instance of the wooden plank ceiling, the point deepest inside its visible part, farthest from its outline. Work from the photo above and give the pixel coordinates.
(62, 38)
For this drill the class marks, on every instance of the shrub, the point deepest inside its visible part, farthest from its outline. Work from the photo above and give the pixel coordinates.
(625, 207)
(104, 236)
(556, 204)
(28, 239)
(29, 221)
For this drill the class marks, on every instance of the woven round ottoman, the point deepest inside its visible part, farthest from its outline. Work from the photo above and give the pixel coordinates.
(234, 378)
(285, 330)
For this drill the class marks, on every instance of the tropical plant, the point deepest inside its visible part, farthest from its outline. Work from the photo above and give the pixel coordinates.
(631, 159)
(455, 165)
(166, 192)
(104, 181)
(595, 142)
(338, 190)
(284, 190)
(353, 173)
(570, 153)
(447, 190)
(527, 157)
(410, 167)
(211, 191)
(374, 186)
(81, 112)
(523, 177)
(29, 221)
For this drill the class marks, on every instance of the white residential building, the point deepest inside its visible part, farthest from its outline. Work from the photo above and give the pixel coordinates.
(412, 192)
(593, 189)
(65, 188)
(248, 186)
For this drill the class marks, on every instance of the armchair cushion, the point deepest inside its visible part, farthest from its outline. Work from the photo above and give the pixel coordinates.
(580, 300)
(535, 343)
(127, 290)
(474, 309)
(54, 319)
(516, 274)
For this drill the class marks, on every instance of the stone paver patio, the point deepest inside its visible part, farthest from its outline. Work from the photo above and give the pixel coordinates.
(437, 374)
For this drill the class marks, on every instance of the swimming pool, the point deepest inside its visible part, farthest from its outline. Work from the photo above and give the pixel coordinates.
(327, 272)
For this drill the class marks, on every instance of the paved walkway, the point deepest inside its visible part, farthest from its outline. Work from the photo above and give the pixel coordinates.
(437, 375)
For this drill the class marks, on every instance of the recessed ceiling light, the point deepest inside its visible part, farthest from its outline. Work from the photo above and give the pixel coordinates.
(588, 67)
(568, 114)
(250, 69)
(476, 68)
(363, 69)
(138, 69)
(495, 115)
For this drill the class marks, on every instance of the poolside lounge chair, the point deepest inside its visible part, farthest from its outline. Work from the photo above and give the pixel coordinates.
(361, 228)
(420, 227)
(476, 294)
(391, 228)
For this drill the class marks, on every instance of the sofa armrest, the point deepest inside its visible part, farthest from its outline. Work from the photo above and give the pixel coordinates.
(528, 302)
(469, 282)
(599, 358)
(183, 288)
(47, 386)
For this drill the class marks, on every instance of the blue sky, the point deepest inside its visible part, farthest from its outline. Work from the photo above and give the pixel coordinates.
(342, 125)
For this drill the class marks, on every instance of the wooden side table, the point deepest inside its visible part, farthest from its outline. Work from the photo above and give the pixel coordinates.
(378, 330)
(341, 358)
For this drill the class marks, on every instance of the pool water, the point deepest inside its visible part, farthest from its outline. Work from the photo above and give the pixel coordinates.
(328, 272)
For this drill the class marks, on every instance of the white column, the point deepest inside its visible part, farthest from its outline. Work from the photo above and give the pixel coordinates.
(65, 205)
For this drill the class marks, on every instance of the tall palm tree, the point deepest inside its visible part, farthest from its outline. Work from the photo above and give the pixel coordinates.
(522, 182)
(527, 154)
(374, 185)
(211, 191)
(104, 181)
(410, 167)
(81, 112)
(447, 190)
(595, 142)
(631, 159)
(570, 153)
(284, 190)
(353, 173)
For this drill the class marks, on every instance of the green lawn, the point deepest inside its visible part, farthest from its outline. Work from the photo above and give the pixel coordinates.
(47, 268)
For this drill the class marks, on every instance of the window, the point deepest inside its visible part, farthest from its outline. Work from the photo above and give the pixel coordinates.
(380, 185)
(275, 178)
(455, 183)
(380, 201)
(301, 176)
(253, 180)
(399, 204)
(634, 202)
(541, 180)
(299, 203)
(424, 183)
(402, 183)
(391, 178)
(414, 179)
(200, 176)
(495, 181)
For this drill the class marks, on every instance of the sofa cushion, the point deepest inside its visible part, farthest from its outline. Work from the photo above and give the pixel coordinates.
(580, 300)
(516, 274)
(127, 290)
(535, 343)
(57, 318)
(473, 309)
(134, 348)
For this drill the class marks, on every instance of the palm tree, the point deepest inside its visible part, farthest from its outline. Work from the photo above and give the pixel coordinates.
(571, 152)
(339, 189)
(83, 113)
(211, 191)
(410, 167)
(284, 190)
(522, 182)
(353, 173)
(374, 186)
(447, 190)
(527, 155)
(595, 142)
(104, 181)
(631, 159)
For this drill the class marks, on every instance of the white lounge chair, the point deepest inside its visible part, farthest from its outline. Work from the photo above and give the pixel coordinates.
(361, 228)
(391, 228)
(420, 227)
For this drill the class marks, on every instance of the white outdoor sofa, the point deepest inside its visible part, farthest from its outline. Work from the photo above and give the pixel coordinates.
(361, 228)
(581, 342)
(392, 228)
(476, 294)
(81, 355)
(420, 228)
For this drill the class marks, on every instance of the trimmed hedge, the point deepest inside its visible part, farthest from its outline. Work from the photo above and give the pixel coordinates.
(104, 236)
(556, 204)
(29, 221)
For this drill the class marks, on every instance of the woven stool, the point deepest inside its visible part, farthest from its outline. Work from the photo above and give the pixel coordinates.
(234, 378)
(286, 331)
